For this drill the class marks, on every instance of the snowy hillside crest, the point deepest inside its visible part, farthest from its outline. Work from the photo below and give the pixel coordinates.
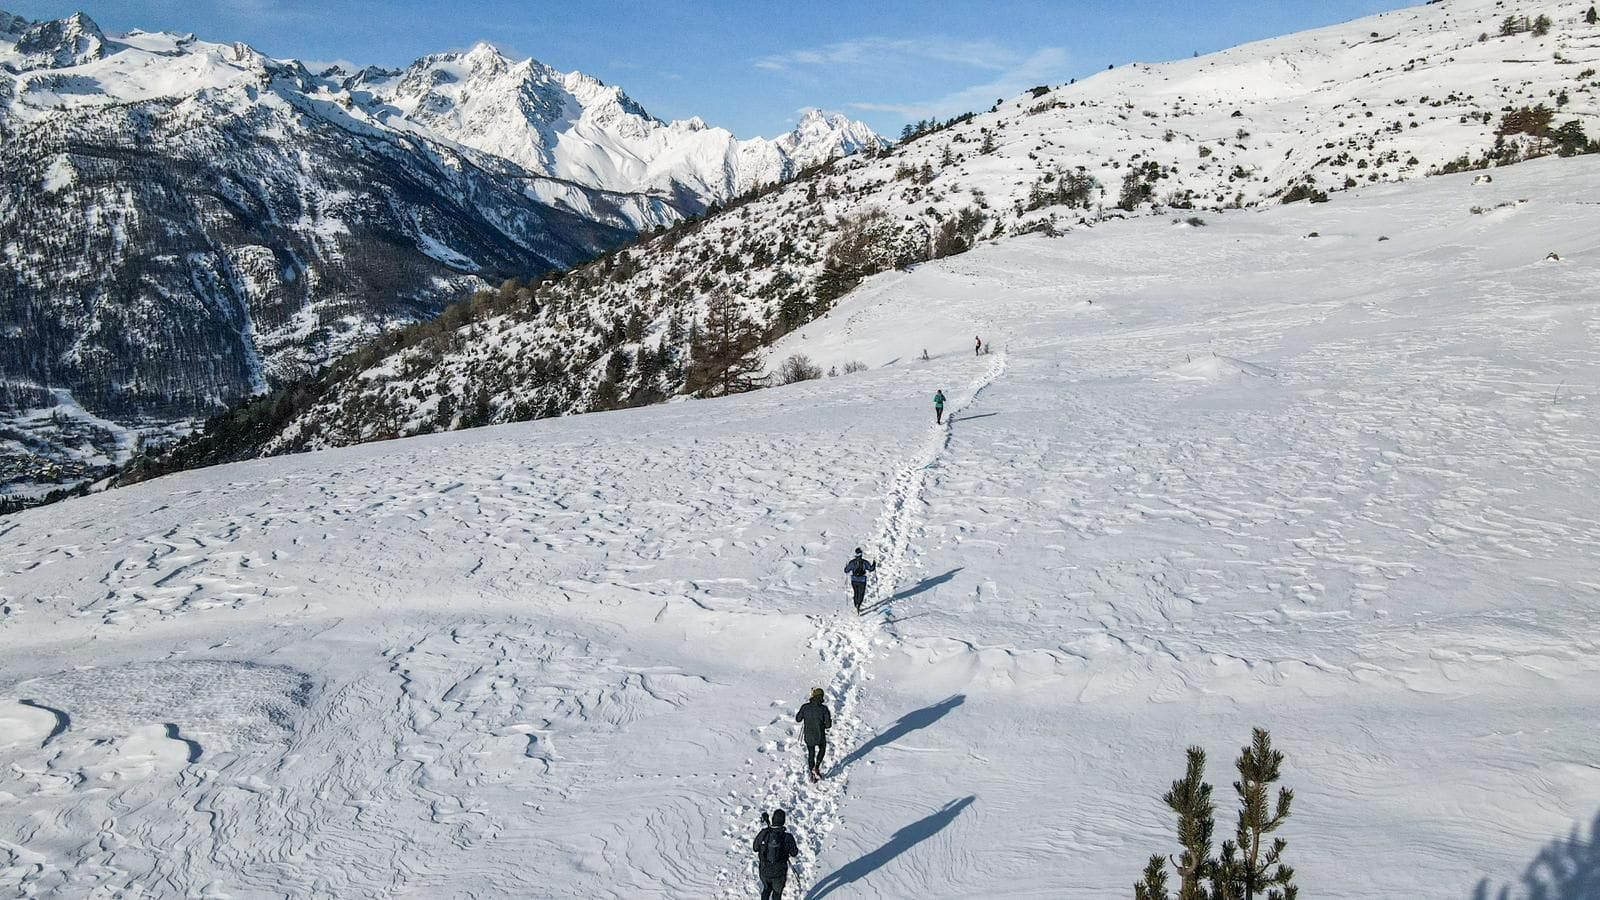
(1312, 117)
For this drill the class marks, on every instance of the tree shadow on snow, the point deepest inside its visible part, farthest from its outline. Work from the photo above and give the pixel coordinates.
(923, 586)
(1568, 868)
(903, 840)
(911, 721)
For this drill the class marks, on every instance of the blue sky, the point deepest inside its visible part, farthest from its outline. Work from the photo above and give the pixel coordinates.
(750, 66)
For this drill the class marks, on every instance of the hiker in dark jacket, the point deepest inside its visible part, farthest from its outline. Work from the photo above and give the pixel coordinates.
(857, 568)
(774, 847)
(817, 720)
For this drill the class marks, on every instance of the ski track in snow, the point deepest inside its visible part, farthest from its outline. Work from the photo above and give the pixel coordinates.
(844, 643)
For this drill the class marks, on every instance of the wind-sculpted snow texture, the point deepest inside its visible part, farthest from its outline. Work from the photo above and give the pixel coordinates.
(186, 223)
(1209, 478)
(1383, 99)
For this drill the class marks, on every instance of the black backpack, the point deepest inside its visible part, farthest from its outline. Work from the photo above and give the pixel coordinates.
(772, 847)
(858, 567)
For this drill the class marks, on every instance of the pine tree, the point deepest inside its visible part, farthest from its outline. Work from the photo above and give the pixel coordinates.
(1190, 798)
(1135, 190)
(1154, 884)
(1259, 870)
(1244, 869)
(723, 353)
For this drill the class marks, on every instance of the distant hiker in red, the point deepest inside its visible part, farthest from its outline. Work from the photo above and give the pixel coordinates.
(774, 847)
(978, 350)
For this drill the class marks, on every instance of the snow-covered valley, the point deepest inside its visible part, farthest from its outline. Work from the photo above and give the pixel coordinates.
(1324, 469)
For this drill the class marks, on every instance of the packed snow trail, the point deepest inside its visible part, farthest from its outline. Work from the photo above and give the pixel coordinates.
(844, 643)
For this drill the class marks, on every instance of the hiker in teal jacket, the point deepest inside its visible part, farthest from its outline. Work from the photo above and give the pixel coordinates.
(938, 407)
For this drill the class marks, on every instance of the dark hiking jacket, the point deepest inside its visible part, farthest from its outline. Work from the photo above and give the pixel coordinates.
(858, 568)
(816, 719)
(784, 850)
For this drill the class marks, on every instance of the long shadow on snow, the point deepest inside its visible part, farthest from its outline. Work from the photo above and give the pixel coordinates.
(911, 721)
(903, 840)
(923, 586)
(970, 418)
(1567, 868)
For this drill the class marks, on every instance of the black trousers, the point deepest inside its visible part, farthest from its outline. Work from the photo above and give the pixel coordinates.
(859, 589)
(772, 888)
(814, 754)
(938, 414)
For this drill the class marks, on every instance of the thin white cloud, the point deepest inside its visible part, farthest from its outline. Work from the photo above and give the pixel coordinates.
(1044, 66)
(878, 53)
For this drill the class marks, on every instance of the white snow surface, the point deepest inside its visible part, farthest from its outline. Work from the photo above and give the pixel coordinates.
(1208, 478)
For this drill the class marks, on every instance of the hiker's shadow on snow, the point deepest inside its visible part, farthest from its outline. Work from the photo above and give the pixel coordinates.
(1567, 868)
(923, 586)
(903, 840)
(911, 721)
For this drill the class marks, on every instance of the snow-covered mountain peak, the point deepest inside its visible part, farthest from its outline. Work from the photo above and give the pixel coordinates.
(820, 135)
(486, 57)
(576, 127)
(72, 41)
(567, 125)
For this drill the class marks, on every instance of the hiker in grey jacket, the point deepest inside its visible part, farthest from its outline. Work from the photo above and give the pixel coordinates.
(816, 720)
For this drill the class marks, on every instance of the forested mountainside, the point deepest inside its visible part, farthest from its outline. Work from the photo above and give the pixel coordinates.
(1436, 88)
(187, 224)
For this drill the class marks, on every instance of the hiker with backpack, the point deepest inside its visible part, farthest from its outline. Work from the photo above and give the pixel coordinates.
(938, 407)
(774, 847)
(816, 720)
(857, 568)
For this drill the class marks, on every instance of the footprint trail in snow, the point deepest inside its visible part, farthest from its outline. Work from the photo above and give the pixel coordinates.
(844, 643)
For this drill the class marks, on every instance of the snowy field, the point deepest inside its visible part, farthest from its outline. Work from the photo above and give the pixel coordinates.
(1210, 477)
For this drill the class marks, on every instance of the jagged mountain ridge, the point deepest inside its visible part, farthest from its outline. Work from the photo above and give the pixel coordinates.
(189, 223)
(572, 126)
(1323, 111)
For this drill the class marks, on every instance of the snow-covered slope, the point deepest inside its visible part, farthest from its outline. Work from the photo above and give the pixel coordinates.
(1210, 477)
(185, 223)
(1384, 99)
